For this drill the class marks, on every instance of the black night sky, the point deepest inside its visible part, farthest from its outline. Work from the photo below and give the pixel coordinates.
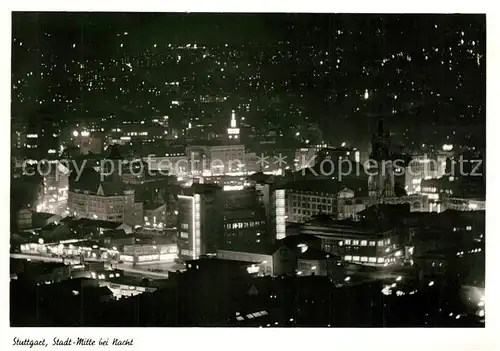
(424, 73)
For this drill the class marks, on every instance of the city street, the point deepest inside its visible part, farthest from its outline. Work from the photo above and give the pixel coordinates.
(140, 269)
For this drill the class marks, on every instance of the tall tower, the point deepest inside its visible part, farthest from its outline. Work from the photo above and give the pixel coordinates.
(381, 179)
(233, 132)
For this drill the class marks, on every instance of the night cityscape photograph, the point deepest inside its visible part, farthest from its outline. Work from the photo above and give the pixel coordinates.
(265, 170)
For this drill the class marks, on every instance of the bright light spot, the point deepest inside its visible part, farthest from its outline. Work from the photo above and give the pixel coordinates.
(457, 317)
(481, 313)
(393, 285)
(75, 133)
(480, 304)
(367, 95)
(398, 278)
(431, 283)
(347, 279)
(343, 144)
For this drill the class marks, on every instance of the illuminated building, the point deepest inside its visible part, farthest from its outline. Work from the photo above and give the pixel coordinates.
(149, 253)
(200, 222)
(431, 189)
(42, 136)
(233, 132)
(245, 226)
(463, 204)
(278, 213)
(418, 203)
(55, 188)
(422, 167)
(89, 197)
(353, 241)
(154, 215)
(307, 198)
(216, 159)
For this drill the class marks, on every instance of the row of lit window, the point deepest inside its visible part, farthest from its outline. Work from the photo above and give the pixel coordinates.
(364, 259)
(349, 242)
(313, 208)
(311, 199)
(241, 225)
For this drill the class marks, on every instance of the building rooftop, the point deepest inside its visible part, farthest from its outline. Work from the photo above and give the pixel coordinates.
(315, 254)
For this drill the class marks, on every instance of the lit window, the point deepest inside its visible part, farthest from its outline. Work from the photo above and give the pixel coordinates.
(364, 259)
(388, 241)
(381, 243)
(372, 243)
(355, 242)
(380, 260)
(372, 259)
(348, 257)
(355, 258)
(348, 242)
(468, 227)
(341, 243)
(364, 242)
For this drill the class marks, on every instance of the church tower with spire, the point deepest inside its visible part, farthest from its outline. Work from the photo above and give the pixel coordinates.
(233, 132)
(381, 172)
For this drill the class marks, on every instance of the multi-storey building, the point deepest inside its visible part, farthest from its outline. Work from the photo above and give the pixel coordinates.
(200, 222)
(305, 199)
(89, 197)
(354, 241)
(154, 215)
(245, 226)
(55, 188)
(216, 159)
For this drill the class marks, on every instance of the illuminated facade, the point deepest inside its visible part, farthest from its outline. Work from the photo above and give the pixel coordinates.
(216, 159)
(89, 197)
(463, 204)
(233, 132)
(279, 213)
(199, 220)
(420, 168)
(354, 243)
(55, 189)
(154, 216)
(149, 253)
